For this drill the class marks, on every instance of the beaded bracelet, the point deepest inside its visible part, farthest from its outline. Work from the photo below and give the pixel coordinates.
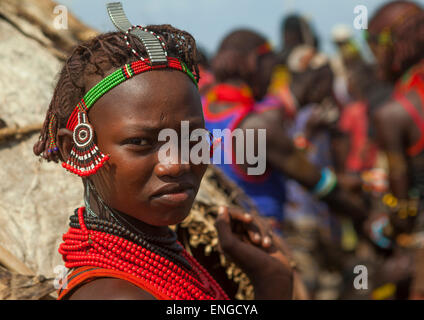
(377, 232)
(326, 184)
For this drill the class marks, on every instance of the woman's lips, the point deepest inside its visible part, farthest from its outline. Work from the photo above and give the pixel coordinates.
(173, 194)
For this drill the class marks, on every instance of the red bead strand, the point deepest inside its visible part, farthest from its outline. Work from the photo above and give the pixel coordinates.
(83, 247)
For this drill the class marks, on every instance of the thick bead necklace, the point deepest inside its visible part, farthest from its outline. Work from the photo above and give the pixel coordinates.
(84, 246)
(168, 247)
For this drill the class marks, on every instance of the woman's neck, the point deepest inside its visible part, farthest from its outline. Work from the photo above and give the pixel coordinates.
(101, 210)
(159, 231)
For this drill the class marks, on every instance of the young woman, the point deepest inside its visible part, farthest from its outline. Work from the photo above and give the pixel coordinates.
(111, 101)
(396, 38)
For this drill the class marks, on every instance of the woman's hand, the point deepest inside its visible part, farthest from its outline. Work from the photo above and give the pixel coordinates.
(249, 245)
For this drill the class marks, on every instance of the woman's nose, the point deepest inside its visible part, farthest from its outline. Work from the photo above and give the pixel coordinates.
(172, 170)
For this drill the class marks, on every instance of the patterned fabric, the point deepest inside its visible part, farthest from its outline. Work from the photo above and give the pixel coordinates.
(268, 190)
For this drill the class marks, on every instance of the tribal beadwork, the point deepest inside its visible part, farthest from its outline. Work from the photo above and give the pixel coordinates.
(119, 76)
(85, 246)
(86, 158)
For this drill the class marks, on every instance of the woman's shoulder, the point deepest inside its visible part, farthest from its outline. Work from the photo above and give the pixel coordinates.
(110, 289)
(93, 283)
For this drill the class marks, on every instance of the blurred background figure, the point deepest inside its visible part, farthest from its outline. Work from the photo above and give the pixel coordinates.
(348, 50)
(396, 38)
(309, 225)
(242, 68)
(295, 30)
(243, 98)
(347, 53)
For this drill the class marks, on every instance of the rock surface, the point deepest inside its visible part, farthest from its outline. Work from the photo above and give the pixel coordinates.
(36, 197)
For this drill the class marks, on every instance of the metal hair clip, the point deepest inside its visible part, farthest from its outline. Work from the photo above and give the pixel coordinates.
(154, 47)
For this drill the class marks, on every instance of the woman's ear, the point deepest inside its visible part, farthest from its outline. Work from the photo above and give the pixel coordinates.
(65, 143)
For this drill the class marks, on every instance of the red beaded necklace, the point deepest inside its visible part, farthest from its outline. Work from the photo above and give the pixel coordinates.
(85, 247)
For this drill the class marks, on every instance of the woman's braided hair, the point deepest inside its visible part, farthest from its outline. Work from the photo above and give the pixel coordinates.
(229, 62)
(405, 19)
(100, 56)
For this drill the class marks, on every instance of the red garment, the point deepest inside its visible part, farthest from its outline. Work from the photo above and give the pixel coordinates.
(413, 80)
(354, 122)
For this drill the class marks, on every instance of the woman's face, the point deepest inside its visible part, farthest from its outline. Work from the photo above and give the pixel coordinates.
(127, 121)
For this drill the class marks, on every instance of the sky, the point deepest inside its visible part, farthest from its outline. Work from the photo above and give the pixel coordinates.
(210, 20)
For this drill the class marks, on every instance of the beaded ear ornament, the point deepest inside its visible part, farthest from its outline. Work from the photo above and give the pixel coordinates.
(85, 157)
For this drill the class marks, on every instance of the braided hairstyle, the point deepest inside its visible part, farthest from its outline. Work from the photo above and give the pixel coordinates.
(230, 58)
(101, 56)
(405, 20)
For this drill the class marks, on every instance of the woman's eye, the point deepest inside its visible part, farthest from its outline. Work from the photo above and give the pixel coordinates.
(137, 141)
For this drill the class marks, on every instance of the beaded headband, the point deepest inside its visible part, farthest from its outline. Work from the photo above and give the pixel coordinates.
(126, 72)
(85, 157)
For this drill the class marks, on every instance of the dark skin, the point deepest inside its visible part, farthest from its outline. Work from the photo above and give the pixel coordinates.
(127, 121)
(395, 129)
(281, 153)
(395, 132)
